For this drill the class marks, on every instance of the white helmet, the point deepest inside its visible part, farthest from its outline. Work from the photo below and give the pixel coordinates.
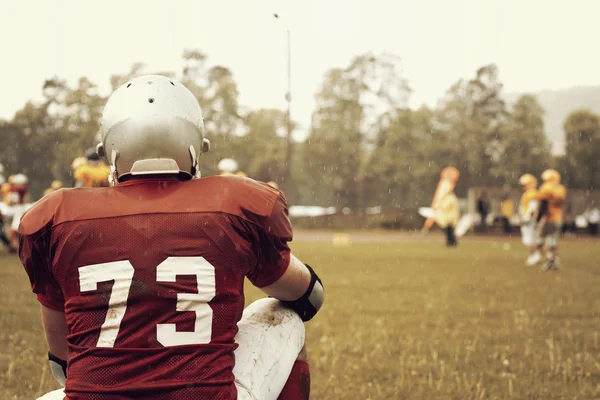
(20, 179)
(228, 165)
(152, 125)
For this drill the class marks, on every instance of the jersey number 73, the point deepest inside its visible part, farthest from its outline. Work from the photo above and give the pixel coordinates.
(122, 274)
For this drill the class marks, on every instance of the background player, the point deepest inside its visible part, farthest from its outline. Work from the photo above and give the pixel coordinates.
(447, 216)
(552, 196)
(54, 186)
(3, 237)
(528, 208)
(75, 165)
(444, 207)
(142, 286)
(227, 166)
(93, 173)
(16, 202)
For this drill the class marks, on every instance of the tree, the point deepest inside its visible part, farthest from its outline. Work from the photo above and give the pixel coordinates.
(222, 121)
(526, 144)
(334, 148)
(399, 169)
(473, 116)
(79, 125)
(349, 105)
(582, 134)
(117, 80)
(33, 139)
(262, 148)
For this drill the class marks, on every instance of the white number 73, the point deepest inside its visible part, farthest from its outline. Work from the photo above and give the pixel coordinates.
(122, 273)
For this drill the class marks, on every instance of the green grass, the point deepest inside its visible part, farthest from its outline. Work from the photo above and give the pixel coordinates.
(406, 319)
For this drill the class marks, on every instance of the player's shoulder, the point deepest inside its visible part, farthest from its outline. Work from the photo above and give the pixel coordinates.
(546, 188)
(41, 213)
(530, 193)
(559, 189)
(241, 194)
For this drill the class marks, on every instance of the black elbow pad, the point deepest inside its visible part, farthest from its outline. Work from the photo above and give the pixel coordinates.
(311, 301)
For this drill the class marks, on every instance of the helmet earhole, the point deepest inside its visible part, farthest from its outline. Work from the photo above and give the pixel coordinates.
(129, 84)
(172, 83)
(150, 100)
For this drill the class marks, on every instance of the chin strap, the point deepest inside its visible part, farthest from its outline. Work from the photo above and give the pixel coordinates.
(195, 169)
(112, 178)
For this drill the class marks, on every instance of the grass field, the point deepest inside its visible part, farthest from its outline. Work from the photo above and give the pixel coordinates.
(406, 318)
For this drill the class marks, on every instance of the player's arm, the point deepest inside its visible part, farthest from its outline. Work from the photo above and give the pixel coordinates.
(532, 208)
(34, 242)
(279, 273)
(299, 288)
(292, 284)
(55, 326)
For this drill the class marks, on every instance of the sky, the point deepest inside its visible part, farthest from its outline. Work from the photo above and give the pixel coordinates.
(537, 44)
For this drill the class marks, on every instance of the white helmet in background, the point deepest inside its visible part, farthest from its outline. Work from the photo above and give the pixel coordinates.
(227, 165)
(152, 125)
(20, 179)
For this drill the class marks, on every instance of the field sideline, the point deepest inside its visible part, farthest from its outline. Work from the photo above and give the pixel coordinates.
(405, 318)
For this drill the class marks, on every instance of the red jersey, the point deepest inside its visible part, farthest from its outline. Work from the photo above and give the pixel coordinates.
(150, 276)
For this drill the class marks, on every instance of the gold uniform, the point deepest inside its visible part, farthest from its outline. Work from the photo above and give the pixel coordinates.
(4, 190)
(549, 228)
(448, 211)
(528, 196)
(92, 175)
(555, 194)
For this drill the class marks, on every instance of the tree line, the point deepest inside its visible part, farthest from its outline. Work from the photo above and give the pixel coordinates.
(365, 146)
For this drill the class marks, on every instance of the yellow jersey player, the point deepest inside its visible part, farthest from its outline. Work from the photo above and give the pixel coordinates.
(94, 173)
(75, 165)
(3, 237)
(552, 196)
(447, 216)
(54, 186)
(528, 209)
(5, 189)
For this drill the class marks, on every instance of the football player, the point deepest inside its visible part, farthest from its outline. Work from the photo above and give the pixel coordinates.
(16, 200)
(141, 284)
(75, 165)
(5, 189)
(528, 209)
(552, 196)
(54, 186)
(93, 173)
(227, 166)
(3, 237)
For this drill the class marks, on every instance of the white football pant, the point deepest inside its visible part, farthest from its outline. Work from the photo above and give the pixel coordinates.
(528, 234)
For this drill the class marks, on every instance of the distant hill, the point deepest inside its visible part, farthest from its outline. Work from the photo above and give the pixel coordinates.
(558, 104)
